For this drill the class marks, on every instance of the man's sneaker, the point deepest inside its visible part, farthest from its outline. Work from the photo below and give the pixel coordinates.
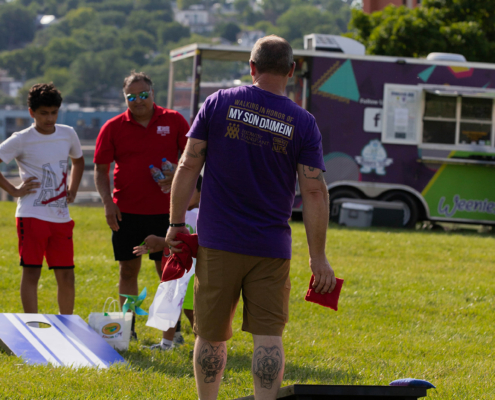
(178, 339)
(160, 346)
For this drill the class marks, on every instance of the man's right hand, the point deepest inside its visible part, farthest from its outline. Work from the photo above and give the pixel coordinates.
(26, 187)
(112, 214)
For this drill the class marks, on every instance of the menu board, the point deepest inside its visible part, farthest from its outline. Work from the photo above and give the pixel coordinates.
(402, 117)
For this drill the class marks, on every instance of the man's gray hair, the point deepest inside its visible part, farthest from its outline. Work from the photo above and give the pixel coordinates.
(272, 54)
(137, 77)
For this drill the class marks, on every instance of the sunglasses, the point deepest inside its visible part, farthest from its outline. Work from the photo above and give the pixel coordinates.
(142, 96)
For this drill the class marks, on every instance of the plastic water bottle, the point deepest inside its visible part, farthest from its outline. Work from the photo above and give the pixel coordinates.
(167, 166)
(156, 173)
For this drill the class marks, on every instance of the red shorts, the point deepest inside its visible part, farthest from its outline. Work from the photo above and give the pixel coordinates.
(38, 239)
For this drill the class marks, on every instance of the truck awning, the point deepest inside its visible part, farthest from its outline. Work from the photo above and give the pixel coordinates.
(459, 91)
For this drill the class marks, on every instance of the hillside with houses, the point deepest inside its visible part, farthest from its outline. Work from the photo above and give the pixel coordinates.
(86, 46)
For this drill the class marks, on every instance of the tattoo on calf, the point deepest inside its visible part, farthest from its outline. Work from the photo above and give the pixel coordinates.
(197, 150)
(267, 363)
(308, 175)
(212, 360)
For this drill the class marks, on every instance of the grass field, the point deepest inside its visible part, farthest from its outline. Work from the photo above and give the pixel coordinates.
(414, 304)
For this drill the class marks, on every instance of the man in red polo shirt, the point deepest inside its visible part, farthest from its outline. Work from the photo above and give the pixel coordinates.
(141, 136)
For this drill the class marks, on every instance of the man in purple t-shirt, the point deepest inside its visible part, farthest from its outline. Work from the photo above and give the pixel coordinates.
(252, 141)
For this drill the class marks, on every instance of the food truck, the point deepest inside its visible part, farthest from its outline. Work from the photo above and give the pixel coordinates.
(395, 129)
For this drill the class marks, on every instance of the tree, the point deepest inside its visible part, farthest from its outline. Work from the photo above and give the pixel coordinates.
(60, 52)
(114, 18)
(125, 6)
(137, 38)
(24, 63)
(452, 26)
(242, 6)
(81, 17)
(148, 21)
(274, 8)
(159, 75)
(67, 6)
(97, 37)
(59, 76)
(23, 92)
(266, 27)
(17, 26)
(303, 20)
(93, 75)
(41, 6)
(185, 4)
(229, 31)
(172, 32)
(153, 5)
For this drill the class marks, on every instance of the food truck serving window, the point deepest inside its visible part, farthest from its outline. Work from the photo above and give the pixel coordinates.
(438, 116)
(457, 120)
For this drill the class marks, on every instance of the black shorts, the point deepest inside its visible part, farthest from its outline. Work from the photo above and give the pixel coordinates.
(133, 229)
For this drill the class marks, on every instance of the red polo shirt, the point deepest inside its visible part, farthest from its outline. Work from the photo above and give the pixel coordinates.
(134, 148)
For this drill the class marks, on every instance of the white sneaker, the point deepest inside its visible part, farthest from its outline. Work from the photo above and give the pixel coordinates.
(160, 346)
(178, 339)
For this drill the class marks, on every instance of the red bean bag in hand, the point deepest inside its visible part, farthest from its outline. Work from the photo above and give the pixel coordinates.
(178, 263)
(329, 300)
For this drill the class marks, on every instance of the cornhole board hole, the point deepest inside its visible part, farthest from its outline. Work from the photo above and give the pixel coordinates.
(347, 392)
(60, 340)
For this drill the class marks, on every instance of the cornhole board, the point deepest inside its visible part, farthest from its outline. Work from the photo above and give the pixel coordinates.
(68, 341)
(347, 392)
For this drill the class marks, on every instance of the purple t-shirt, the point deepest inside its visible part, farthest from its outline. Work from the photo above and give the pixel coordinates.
(255, 141)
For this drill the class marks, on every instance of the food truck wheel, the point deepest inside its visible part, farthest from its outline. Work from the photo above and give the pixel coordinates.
(339, 194)
(411, 212)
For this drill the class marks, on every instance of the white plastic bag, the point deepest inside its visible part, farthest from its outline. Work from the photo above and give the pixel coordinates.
(167, 304)
(114, 327)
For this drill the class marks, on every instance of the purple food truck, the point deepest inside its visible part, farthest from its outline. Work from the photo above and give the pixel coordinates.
(415, 131)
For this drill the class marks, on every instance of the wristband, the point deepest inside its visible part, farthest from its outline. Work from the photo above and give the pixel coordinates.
(178, 225)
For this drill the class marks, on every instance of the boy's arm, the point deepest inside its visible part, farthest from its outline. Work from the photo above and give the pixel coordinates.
(26, 187)
(152, 244)
(75, 178)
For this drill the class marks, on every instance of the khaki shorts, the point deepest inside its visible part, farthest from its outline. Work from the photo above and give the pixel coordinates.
(220, 277)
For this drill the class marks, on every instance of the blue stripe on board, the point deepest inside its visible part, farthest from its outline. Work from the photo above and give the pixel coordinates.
(18, 344)
(106, 353)
(70, 341)
(39, 340)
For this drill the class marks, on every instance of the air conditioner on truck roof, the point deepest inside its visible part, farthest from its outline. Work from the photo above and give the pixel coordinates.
(338, 44)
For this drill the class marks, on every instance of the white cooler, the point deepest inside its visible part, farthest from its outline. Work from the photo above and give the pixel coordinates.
(356, 215)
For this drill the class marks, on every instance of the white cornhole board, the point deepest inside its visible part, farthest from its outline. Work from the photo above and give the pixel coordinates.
(69, 341)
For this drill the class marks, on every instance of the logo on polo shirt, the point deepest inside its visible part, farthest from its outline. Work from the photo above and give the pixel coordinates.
(163, 130)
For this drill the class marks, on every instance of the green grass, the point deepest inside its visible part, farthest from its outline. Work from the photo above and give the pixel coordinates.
(414, 304)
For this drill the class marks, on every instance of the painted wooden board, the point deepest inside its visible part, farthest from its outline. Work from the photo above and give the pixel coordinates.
(347, 392)
(69, 341)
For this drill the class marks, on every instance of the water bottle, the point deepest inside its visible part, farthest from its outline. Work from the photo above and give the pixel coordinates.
(156, 173)
(167, 166)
